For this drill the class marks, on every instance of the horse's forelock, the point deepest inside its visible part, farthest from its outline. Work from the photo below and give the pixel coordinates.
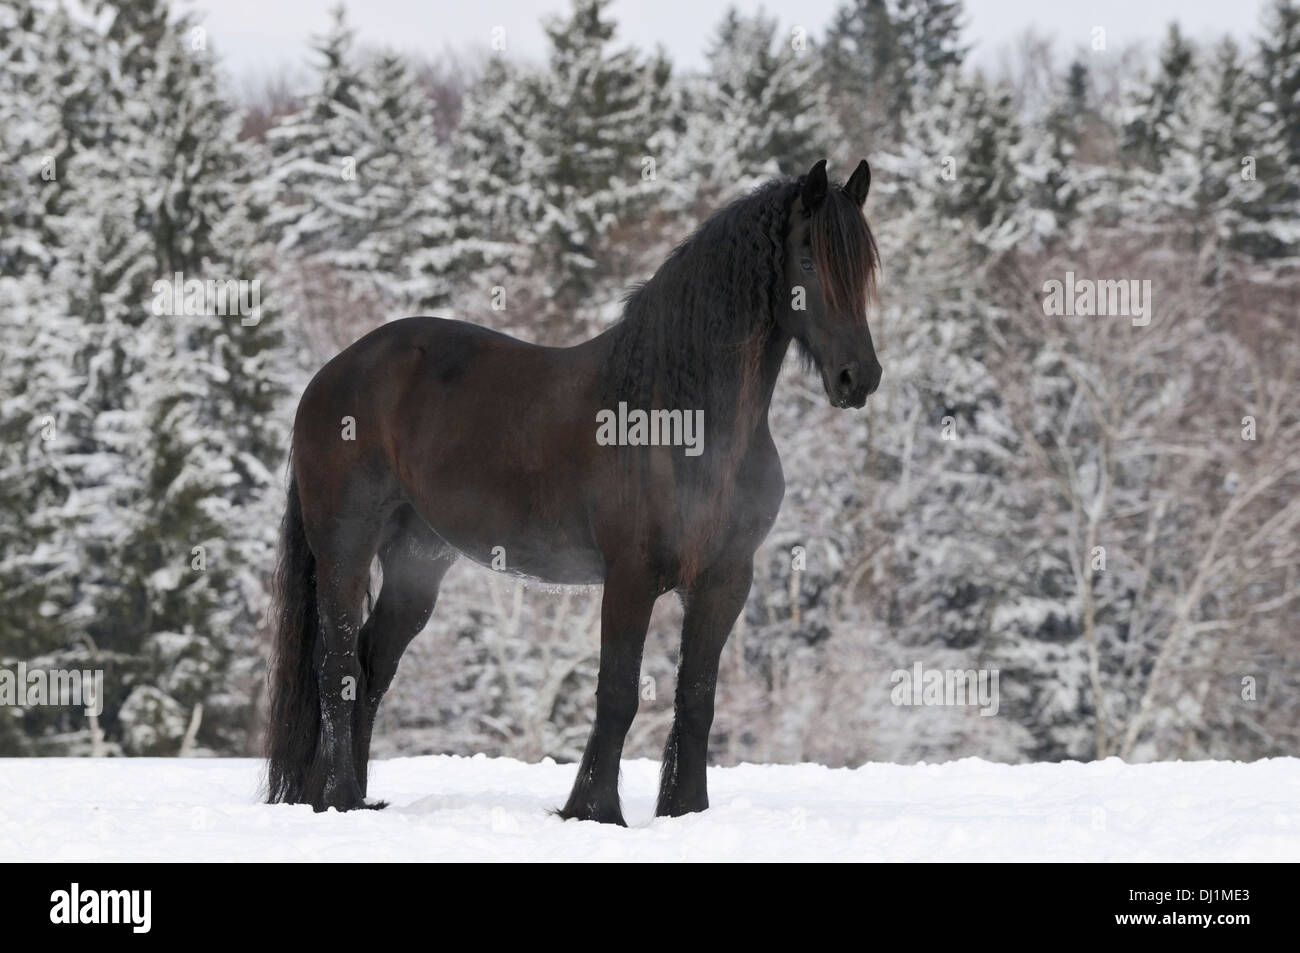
(844, 251)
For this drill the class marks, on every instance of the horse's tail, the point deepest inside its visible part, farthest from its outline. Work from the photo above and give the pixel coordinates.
(295, 693)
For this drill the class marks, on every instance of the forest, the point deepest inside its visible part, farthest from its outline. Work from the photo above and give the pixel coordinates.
(1095, 503)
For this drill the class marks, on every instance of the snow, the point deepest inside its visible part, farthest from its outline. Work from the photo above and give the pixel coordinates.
(496, 809)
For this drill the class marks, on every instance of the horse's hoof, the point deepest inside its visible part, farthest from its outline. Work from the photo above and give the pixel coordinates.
(340, 802)
(673, 806)
(592, 813)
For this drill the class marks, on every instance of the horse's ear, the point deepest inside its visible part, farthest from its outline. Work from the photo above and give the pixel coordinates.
(858, 184)
(814, 186)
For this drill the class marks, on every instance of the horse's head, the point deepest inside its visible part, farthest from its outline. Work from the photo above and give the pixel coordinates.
(830, 268)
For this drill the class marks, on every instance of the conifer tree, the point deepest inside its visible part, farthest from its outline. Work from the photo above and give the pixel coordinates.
(144, 438)
(478, 214)
(1275, 233)
(1055, 183)
(315, 181)
(1147, 129)
(864, 69)
(1210, 180)
(762, 109)
(397, 166)
(599, 112)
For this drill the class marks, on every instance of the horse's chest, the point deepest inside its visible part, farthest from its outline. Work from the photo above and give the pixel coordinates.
(758, 496)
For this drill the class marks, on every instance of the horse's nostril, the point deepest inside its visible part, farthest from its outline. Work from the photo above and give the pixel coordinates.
(874, 384)
(848, 378)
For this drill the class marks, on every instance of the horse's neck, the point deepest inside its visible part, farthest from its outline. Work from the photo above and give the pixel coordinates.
(748, 402)
(752, 408)
(774, 350)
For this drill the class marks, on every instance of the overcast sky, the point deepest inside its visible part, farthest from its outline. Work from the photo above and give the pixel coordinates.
(256, 36)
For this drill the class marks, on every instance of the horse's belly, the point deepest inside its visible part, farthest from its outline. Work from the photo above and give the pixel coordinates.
(563, 567)
(519, 535)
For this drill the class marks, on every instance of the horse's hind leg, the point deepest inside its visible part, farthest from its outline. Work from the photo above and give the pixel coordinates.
(344, 549)
(414, 561)
(712, 606)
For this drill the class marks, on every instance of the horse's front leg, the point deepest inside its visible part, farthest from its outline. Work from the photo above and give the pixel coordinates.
(625, 607)
(712, 605)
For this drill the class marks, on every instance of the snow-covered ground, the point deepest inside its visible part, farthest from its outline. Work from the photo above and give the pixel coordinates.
(445, 808)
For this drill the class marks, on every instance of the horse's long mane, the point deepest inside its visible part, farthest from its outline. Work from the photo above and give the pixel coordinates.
(715, 296)
(692, 337)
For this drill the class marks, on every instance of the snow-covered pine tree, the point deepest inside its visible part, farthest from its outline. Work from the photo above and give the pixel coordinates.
(130, 538)
(314, 182)
(930, 50)
(32, 145)
(357, 192)
(138, 457)
(1279, 68)
(209, 395)
(102, 267)
(1210, 182)
(1276, 230)
(64, 462)
(885, 57)
(36, 341)
(396, 166)
(762, 108)
(1054, 180)
(929, 34)
(956, 166)
(865, 71)
(474, 223)
(1147, 134)
(600, 115)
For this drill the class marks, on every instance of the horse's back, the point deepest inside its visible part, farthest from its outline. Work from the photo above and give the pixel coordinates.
(445, 346)
(415, 353)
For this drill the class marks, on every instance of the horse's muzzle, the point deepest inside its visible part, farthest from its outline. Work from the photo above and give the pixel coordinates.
(854, 383)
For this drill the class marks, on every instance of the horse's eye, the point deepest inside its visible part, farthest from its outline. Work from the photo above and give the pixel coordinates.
(806, 264)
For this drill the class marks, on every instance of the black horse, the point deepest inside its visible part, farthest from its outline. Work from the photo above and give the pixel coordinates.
(428, 439)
